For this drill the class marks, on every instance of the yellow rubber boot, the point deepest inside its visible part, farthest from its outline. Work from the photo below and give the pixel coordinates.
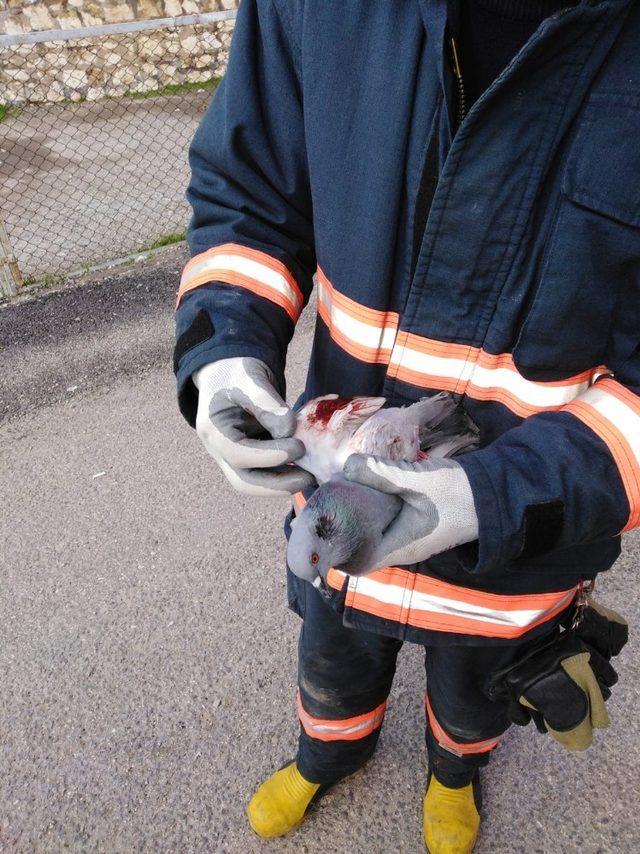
(281, 802)
(450, 819)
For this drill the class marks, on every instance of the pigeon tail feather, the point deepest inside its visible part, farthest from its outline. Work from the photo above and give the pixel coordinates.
(457, 433)
(429, 413)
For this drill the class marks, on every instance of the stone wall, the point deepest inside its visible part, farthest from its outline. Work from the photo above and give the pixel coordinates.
(23, 16)
(108, 66)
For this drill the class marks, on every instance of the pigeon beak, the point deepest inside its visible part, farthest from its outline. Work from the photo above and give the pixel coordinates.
(321, 587)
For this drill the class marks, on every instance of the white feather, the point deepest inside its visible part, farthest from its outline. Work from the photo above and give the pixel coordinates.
(333, 428)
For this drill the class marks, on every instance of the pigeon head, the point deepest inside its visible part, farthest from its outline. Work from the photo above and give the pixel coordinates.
(331, 531)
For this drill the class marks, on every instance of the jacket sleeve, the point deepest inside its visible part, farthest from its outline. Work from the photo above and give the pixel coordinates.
(561, 478)
(251, 235)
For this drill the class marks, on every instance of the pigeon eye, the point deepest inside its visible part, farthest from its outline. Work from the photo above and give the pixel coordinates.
(315, 557)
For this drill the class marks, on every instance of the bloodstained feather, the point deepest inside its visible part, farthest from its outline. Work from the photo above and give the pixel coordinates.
(325, 408)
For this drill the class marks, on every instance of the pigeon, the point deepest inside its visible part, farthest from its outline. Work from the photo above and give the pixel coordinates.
(332, 428)
(342, 523)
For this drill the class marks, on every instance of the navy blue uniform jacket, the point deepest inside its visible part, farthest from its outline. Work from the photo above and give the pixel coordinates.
(521, 294)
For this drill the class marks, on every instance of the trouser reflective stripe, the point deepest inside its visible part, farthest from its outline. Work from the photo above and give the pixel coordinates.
(345, 676)
(457, 747)
(343, 729)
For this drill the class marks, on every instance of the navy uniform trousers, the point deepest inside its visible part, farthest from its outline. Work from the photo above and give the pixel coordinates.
(345, 677)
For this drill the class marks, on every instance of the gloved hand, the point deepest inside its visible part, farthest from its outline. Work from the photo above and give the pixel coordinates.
(247, 427)
(437, 510)
(561, 685)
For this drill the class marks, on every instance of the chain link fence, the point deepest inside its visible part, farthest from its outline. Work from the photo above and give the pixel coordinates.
(94, 130)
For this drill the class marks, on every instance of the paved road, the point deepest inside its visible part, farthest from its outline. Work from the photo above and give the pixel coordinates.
(147, 659)
(88, 182)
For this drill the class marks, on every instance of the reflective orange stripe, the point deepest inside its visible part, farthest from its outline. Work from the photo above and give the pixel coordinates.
(341, 729)
(372, 355)
(335, 578)
(438, 587)
(457, 747)
(361, 312)
(461, 611)
(410, 598)
(247, 268)
(613, 413)
(365, 333)
(408, 341)
(433, 347)
(371, 336)
(468, 370)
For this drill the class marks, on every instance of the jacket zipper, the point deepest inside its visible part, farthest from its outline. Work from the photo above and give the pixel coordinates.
(460, 113)
(461, 99)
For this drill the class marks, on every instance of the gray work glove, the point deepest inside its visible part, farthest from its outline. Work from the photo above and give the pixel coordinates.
(437, 510)
(237, 406)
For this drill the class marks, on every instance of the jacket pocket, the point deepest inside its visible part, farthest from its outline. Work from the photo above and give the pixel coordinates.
(590, 272)
(604, 167)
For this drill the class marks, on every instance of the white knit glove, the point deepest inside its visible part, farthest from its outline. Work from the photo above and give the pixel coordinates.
(247, 427)
(437, 513)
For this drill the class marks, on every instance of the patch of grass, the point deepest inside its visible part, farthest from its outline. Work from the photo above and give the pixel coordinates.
(45, 281)
(51, 279)
(174, 89)
(7, 111)
(165, 240)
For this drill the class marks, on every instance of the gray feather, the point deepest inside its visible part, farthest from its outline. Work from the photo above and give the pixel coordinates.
(342, 524)
(455, 433)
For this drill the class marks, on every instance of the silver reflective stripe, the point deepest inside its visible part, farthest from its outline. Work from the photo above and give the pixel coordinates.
(479, 747)
(247, 267)
(417, 600)
(374, 720)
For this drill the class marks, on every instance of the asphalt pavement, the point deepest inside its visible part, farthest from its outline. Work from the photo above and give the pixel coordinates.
(147, 657)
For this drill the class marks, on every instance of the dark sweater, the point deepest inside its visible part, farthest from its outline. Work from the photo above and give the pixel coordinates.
(490, 34)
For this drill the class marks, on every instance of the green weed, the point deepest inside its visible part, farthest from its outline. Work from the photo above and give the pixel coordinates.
(8, 111)
(164, 240)
(174, 89)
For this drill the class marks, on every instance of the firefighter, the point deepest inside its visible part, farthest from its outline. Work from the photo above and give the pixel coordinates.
(461, 180)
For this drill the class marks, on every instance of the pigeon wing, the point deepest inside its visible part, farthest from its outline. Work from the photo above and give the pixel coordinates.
(353, 414)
